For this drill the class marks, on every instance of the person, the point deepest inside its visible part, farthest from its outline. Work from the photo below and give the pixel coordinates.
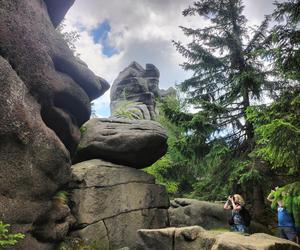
(235, 203)
(286, 223)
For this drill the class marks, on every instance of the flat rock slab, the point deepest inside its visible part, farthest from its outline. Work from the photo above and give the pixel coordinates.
(197, 238)
(134, 143)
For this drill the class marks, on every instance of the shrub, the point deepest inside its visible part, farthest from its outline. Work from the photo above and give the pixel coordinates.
(7, 239)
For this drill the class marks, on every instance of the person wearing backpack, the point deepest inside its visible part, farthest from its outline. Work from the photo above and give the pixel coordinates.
(240, 217)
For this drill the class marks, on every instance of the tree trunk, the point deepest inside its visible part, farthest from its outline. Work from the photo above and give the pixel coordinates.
(248, 125)
(258, 201)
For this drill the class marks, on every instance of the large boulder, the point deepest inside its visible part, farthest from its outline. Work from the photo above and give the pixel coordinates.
(209, 215)
(45, 98)
(62, 85)
(111, 202)
(188, 212)
(134, 143)
(197, 238)
(137, 85)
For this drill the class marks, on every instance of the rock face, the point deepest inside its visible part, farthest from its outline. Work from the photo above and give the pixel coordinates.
(61, 84)
(134, 143)
(45, 97)
(197, 238)
(111, 202)
(139, 85)
(57, 9)
(189, 212)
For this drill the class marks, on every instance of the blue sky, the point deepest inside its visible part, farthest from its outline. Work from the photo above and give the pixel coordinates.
(100, 35)
(114, 33)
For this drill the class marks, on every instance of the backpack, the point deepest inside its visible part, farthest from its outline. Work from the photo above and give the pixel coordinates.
(246, 216)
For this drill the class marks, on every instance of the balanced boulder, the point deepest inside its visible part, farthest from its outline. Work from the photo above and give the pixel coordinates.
(134, 143)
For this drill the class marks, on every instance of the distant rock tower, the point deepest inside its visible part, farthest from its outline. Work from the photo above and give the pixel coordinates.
(137, 86)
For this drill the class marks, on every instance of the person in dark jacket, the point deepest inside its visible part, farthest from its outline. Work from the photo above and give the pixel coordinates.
(235, 203)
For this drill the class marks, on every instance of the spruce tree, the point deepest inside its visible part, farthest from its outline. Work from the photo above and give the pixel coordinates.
(284, 41)
(227, 72)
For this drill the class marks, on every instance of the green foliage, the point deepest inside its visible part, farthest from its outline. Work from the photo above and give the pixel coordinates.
(71, 37)
(160, 170)
(7, 239)
(283, 42)
(83, 129)
(280, 142)
(290, 195)
(127, 109)
(178, 168)
(61, 196)
(277, 130)
(228, 71)
(80, 244)
(230, 144)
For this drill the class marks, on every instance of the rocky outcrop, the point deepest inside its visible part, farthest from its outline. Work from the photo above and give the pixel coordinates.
(189, 212)
(57, 9)
(54, 225)
(137, 85)
(134, 143)
(197, 238)
(45, 98)
(111, 202)
(61, 85)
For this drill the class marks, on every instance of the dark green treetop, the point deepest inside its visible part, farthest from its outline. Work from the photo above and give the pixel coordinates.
(227, 70)
(284, 40)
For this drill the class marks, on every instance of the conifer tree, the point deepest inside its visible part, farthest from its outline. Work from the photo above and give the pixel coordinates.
(284, 40)
(227, 73)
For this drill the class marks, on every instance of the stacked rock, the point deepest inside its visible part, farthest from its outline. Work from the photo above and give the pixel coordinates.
(112, 198)
(139, 86)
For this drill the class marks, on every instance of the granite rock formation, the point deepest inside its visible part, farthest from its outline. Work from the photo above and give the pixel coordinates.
(134, 143)
(137, 85)
(45, 98)
(57, 9)
(189, 212)
(111, 202)
(197, 238)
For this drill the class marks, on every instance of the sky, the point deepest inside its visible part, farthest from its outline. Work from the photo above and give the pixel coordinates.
(116, 32)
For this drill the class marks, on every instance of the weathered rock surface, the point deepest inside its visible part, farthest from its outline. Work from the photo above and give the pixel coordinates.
(111, 202)
(137, 84)
(33, 161)
(134, 143)
(54, 225)
(62, 86)
(45, 97)
(189, 212)
(197, 238)
(57, 9)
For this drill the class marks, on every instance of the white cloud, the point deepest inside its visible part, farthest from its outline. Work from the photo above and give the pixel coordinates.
(141, 30)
